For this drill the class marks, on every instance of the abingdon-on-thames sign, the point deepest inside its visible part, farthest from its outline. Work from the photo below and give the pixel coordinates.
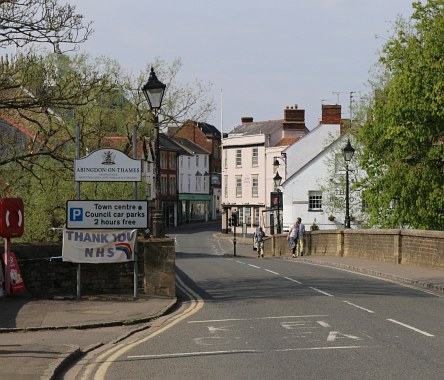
(107, 165)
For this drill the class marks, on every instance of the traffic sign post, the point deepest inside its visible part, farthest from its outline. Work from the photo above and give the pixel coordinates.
(106, 214)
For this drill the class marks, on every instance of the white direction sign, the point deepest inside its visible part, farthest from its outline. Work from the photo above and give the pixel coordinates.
(106, 214)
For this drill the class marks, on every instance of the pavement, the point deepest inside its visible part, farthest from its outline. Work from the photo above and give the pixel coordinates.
(41, 337)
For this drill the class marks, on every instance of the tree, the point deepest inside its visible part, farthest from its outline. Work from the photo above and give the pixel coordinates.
(27, 22)
(404, 137)
(333, 187)
(37, 88)
(41, 95)
(40, 168)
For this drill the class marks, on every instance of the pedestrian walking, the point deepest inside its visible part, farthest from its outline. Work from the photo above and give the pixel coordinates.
(259, 236)
(293, 237)
(301, 238)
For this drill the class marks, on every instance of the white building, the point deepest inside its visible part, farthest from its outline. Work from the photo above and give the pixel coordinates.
(194, 181)
(309, 165)
(248, 153)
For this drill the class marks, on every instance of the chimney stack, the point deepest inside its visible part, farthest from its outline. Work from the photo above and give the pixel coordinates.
(331, 114)
(294, 118)
(246, 119)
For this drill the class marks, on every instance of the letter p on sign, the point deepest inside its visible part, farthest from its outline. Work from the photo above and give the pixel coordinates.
(11, 217)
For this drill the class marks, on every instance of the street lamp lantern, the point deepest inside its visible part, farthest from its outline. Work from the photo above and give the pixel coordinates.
(154, 90)
(348, 151)
(277, 180)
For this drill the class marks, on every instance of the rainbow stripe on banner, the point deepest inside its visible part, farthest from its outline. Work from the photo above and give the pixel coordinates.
(99, 246)
(126, 249)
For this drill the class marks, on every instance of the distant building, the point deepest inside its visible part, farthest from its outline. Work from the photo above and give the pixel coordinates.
(207, 137)
(307, 168)
(194, 197)
(248, 153)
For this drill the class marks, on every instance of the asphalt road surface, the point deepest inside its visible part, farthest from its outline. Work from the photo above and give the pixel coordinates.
(250, 318)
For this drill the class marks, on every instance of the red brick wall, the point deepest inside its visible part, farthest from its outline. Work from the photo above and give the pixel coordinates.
(191, 132)
(331, 114)
(294, 114)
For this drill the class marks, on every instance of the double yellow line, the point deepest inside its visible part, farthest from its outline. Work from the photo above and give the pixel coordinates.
(98, 371)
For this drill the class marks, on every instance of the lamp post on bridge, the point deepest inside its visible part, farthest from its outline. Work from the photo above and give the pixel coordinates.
(154, 91)
(348, 153)
(277, 182)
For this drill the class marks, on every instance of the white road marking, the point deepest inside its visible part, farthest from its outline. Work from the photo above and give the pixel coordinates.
(322, 292)
(323, 324)
(268, 270)
(411, 327)
(359, 307)
(105, 360)
(203, 341)
(240, 262)
(254, 266)
(258, 318)
(187, 354)
(293, 325)
(375, 277)
(214, 329)
(333, 335)
(291, 279)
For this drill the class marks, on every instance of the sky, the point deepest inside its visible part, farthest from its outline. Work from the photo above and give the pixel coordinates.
(260, 56)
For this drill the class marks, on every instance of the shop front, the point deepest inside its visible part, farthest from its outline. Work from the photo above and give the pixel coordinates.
(194, 207)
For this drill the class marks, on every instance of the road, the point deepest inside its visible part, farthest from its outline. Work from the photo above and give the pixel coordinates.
(250, 318)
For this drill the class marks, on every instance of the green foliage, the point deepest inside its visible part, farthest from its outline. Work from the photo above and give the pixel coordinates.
(404, 138)
(314, 227)
(49, 94)
(45, 194)
(333, 187)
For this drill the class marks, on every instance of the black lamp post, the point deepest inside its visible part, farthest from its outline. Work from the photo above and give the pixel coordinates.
(277, 182)
(348, 153)
(154, 90)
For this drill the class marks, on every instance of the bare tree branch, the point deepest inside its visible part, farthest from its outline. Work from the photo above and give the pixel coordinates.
(43, 22)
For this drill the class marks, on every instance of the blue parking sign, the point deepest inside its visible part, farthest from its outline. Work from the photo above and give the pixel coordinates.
(76, 214)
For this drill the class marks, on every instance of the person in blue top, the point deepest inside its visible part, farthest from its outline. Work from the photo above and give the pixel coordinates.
(301, 237)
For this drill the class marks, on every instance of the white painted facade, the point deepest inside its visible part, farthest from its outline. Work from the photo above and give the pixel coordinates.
(304, 184)
(193, 174)
(308, 165)
(247, 178)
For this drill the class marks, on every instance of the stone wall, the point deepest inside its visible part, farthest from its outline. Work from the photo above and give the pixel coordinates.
(416, 247)
(379, 245)
(45, 275)
(325, 244)
(421, 248)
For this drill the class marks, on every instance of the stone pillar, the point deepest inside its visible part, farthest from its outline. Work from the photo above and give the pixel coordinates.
(397, 247)
(159, 267)
(340, 250)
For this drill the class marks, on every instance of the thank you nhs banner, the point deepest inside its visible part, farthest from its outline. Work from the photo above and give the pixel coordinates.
(98, 246)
